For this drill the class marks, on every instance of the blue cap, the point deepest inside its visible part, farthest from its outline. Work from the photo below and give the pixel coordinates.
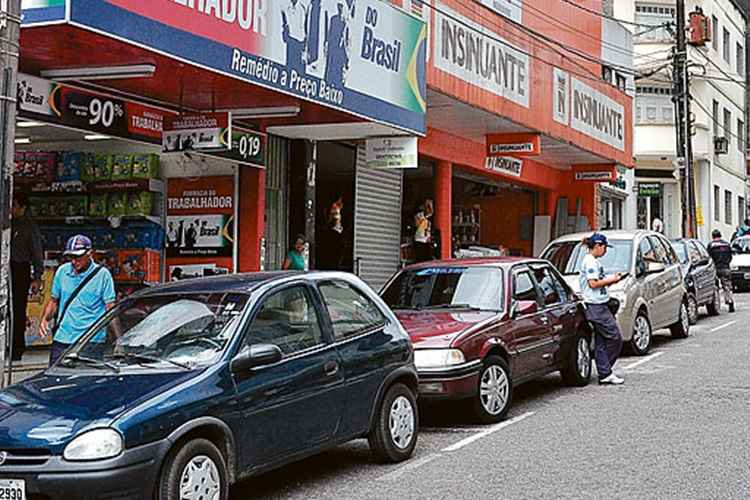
(599, 239)
(77, 245)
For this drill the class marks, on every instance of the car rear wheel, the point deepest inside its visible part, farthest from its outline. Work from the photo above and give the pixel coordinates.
(196, 471)
(681, 329)
(692, 310)
(714, 307)
(494, 391)
(641, 341)
(394, 434)
(577, 370)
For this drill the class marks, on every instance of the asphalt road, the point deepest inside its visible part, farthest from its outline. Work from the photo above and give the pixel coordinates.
(678, 428)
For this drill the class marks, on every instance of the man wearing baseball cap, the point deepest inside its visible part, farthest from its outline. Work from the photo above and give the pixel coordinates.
(82, 291)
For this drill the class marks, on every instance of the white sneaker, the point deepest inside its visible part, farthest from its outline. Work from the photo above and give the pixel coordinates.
(612, 380)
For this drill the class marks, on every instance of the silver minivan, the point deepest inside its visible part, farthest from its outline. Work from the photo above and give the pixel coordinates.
(652, 297)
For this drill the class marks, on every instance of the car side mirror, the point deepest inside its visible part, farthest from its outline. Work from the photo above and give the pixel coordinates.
(655, 267)
(254, 356)
(524, 307)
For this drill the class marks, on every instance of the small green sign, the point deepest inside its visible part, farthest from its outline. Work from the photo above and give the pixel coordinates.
(649, 189)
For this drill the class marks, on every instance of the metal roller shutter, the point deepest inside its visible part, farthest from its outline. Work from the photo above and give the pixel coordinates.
(377, 222)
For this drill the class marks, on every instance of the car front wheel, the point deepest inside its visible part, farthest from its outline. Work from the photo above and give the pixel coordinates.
(641, 341)
(681, 329)
(494, 391)
(394, 434)
(196, 471)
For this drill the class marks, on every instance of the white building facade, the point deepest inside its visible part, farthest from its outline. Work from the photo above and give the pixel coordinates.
(719, 130)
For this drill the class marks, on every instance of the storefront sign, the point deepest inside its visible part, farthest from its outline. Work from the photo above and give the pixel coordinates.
(561, 96)
(504, 165)
(471, 52)
(49, 102)
(649, 189)
(366, 57)
(597, 116)
(513, 144)
(512, 9)
(41, 11)
(391, 152)
(599, 176)
(197, 132)
(699, 216)
(200, 214)
(248, 148)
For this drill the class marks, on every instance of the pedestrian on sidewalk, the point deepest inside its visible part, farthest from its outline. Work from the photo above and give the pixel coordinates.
(84, 289)
(594, 283)
(295, 259)
(721, 253)
(26, 268)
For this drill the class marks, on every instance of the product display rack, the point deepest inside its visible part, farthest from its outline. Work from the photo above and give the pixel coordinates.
(467, 225)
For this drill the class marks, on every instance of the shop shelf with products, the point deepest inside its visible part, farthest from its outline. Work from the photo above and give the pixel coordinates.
(467, 225)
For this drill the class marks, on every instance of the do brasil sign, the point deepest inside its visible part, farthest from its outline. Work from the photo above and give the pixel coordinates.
(365, 57)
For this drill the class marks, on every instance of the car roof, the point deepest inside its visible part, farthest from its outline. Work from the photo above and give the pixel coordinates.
(477, 262)
(615, 234)
(228, 283)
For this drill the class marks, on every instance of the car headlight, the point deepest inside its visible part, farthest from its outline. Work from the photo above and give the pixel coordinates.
(734, 267)
(438, 358)
(97, 444)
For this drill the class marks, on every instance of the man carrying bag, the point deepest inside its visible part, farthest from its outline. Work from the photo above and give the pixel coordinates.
(84, 289)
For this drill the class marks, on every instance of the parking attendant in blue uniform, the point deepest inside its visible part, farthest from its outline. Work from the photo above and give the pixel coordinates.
(76, 312)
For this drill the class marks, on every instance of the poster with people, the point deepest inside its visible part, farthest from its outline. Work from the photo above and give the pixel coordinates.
(200, 225)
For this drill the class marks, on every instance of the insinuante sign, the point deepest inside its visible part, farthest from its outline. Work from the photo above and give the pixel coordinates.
(596, 115)
(480, 57)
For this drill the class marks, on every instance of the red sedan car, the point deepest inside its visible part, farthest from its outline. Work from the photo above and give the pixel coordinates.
(481, 327)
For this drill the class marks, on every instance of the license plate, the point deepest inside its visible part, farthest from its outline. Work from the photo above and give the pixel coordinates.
(12, 489)
(747, 276)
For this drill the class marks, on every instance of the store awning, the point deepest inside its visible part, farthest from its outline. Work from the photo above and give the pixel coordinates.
(243, 59)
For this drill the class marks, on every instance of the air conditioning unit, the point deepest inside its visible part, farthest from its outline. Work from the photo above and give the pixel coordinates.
(721, 145)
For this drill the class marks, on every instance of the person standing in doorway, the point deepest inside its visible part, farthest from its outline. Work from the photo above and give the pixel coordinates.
(721, 253)
(26, 268)
(295, 259)
(594, 283)
(84, 289)
(657, 225)
(423, 232)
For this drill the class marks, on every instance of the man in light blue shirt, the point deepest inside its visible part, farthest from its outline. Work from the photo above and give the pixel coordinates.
(93, 300)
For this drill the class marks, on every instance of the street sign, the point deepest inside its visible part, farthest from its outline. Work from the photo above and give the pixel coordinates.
(391, 152)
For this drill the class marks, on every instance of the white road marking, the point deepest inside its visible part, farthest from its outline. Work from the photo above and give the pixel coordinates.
(644, 360)
(721, 327)
(480, 435)
(409, 466)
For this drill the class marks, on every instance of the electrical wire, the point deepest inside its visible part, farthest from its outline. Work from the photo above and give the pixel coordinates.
(697, 102)
(605, 16)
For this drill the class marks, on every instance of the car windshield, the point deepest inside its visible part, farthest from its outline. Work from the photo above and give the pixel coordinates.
(567, 256)
(185, 331)
(741, 245)
(447, 287)
(681, 250)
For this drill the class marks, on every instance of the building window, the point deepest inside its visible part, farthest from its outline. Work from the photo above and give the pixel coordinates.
(728, 125)
(715, 119)
(740, 60)
(715, 32)
(741, 210)
(657, 103)
(728, 207)
(741, 135)
(654, 15)
(717, 206)
(607, 74)
(621, 82)
(726, 41)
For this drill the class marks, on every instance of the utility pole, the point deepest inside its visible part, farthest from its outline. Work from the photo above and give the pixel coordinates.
(683, 124)
(10, 31)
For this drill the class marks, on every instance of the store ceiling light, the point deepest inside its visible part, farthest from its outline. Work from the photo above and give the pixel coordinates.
(23, 140)
(100, 72)
(96, 137)
(29, 124)
(270, 112)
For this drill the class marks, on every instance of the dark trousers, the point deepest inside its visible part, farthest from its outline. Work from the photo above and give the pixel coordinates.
(608, 339)
(20, 275)
(294, 51)
(58, 348)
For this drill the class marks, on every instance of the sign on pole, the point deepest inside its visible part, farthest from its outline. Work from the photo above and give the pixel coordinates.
(391, 152)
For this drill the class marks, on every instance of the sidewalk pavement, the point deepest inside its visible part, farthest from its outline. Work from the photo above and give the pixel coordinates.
(34, 361)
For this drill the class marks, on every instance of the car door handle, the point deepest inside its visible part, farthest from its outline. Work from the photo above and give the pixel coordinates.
(331, 368)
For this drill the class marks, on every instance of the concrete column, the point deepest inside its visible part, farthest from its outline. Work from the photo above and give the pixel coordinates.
(444, 206)
(251, 210)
